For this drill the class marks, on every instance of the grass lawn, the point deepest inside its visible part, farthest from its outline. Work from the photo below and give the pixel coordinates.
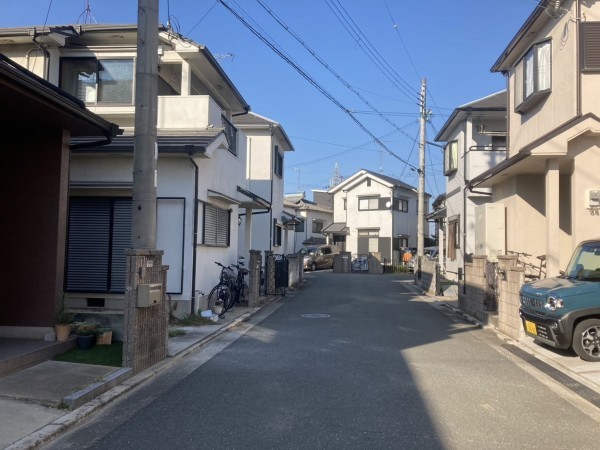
(103, 355)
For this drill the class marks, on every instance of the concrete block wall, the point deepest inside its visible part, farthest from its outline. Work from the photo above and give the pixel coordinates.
(146, 328)
(510, 280)
(473, 301)
(254, 278)
(428, 281)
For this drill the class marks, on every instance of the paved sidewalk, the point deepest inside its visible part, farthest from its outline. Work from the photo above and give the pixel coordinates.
(545, 358)
(34, 402)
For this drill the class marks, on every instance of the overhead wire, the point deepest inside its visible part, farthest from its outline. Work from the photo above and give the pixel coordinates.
(364, 44)
(312, 81)
(327, 66)
(203, 17)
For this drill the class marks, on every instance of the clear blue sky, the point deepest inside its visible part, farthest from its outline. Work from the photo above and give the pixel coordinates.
(452, 44)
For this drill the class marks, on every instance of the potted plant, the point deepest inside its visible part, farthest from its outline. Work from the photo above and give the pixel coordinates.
(63, 324)
(104, 336)
(86, 333)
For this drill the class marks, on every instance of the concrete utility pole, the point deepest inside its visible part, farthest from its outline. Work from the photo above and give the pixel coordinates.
(146, 112)
(421, 201)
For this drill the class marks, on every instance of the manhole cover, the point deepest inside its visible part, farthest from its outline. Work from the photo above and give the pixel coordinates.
(315, 316)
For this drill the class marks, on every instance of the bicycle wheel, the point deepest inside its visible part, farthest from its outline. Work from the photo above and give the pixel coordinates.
(219, 296)
(232, 299)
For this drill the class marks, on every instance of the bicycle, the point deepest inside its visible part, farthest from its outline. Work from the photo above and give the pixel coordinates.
(239, 286)
(532, 271)
(221, 295)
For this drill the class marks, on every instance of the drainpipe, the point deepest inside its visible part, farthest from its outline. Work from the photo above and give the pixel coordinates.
(190, 151)
(271, 198)
(577, 58)
(46, 68)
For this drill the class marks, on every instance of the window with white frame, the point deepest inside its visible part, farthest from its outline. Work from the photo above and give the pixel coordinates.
(276, 233)
(98, 81)
(451, 157)
(453, 236)
(368, 204)
(216, 224)
(401, 204)
(533, 76)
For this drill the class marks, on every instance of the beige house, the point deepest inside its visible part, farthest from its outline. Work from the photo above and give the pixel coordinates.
(548, 184)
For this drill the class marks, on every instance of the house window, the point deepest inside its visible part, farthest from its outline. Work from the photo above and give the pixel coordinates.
(368, 204)
(368, 182)
(99, 232)
(230, 135)
(300, 227)
(450, 157)
(368, 239)
(590, 54)
(533, 76)
(216, 226)
(317, 226)
(276, 234)
(453, 236)
(277, 162)
(401, 204)
(98, 81)
(345, 202)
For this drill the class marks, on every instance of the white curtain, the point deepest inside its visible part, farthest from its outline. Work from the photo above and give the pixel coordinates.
(544, 66)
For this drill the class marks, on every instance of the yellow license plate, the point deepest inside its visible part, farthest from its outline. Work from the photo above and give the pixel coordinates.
(531, 328)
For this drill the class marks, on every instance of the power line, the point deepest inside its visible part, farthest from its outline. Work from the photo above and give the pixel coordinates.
(327, 66)
(364, 44)
(312, 81)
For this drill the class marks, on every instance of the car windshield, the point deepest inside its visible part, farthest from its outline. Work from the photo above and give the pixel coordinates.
(309, 250)
(585, 263)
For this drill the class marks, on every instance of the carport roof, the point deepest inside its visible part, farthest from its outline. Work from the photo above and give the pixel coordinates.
(336, 228)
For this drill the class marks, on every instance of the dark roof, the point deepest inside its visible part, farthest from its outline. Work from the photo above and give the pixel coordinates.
(336, 228)
(190, 144)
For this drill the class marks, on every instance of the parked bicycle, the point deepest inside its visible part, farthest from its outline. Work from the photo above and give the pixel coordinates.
(532, 271)
(239, 286)
(221, 294)
(231, 288)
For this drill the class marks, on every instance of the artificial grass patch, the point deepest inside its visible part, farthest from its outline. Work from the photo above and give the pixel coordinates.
(102, 355)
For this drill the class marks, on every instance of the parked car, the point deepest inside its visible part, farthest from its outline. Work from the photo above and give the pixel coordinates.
(430, 252)
(319, 257)
(564, 312)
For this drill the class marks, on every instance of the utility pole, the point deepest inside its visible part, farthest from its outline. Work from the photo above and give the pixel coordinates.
(421, 201)
(146, 112)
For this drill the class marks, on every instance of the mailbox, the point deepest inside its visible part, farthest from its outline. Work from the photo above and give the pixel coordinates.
(149, 295)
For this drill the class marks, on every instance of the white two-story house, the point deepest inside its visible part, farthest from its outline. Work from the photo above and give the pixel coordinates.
(374, 213)
(266, 143)
(201, 179)
(548, 184)
(315, 216)
(475, 137)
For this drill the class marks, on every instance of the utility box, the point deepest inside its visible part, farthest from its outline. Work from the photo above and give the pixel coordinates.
(149, 295)
(490, 230)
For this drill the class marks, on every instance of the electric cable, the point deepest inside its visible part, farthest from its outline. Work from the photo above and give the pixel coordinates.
(312, 81)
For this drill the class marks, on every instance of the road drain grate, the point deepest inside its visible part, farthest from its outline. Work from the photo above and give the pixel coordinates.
(315, 316)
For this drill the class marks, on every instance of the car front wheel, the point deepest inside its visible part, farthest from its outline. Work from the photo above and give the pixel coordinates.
(586, 340)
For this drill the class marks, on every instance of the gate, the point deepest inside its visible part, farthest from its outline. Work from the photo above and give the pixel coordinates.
(281, 274)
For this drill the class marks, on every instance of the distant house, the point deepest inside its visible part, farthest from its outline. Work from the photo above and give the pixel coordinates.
(38, 121)
(315, 217)
(548, 185)
(202, 186)
(267, 143)
(374, 213)
(475, 136)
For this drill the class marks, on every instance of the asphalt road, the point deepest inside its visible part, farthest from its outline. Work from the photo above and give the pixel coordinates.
(350, 361)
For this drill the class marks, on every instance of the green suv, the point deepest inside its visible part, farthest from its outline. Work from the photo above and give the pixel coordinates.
(564, 312)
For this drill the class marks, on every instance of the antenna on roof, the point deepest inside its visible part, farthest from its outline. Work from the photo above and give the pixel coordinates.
(220, 56)
(87, 15)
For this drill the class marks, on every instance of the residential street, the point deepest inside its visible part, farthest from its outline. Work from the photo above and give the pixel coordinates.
(383, 369)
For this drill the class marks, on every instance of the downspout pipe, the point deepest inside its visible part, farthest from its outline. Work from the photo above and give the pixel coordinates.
(272, 171)
(190, 152)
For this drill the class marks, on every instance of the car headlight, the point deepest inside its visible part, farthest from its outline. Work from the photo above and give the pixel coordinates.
(553, 303)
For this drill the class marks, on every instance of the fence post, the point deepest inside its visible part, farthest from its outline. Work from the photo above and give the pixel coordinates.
(254, 267)
(269, 272)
